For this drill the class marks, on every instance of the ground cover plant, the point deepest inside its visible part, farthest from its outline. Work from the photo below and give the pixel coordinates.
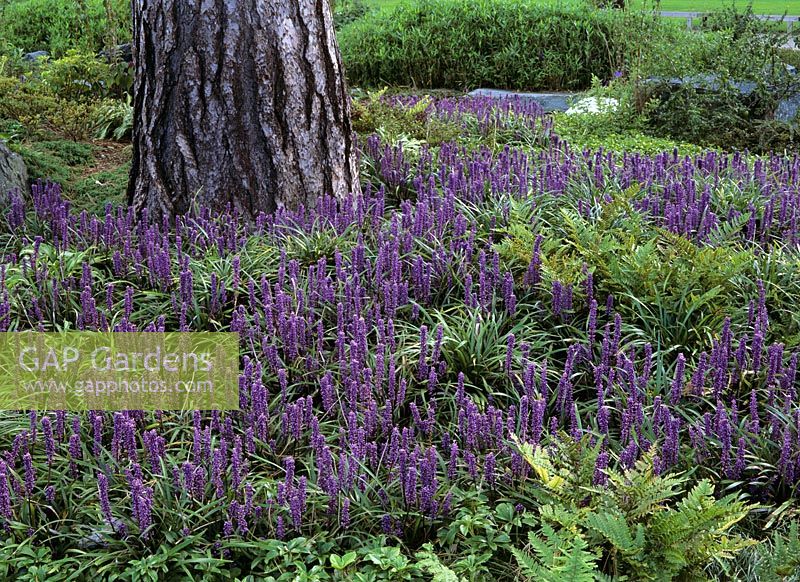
(497, 361)
(543, 347)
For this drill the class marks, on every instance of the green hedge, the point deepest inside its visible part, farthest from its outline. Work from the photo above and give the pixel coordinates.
(461, 44)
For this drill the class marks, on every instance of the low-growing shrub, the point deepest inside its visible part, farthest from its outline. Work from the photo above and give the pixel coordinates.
(78, 76)
(97, 190)
(42, 111)
(42, 164)
(70, 152)
(374, 114)
(571, 131)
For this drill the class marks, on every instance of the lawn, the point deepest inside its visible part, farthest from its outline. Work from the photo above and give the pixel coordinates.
(759, 6)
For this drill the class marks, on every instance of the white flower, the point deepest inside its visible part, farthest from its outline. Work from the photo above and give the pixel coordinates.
(593, 105)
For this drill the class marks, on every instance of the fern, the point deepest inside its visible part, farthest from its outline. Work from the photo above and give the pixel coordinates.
(784, 560)
(557, 555)
(428, 561)
(528, 566)
(647, 526)
(578, 564)
(616, 530)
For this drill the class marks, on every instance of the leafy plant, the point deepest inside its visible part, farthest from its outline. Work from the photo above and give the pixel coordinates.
(43, 111)
(396, 122)
(774, 559)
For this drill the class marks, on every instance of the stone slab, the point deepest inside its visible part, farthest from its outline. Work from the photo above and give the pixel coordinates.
(549, 101)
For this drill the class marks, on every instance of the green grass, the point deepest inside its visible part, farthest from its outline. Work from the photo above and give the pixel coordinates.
(759, 6)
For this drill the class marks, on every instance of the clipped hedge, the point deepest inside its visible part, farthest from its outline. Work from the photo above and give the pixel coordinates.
(462, 44)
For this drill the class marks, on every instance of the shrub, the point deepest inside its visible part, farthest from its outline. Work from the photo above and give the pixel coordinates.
(59, 25)
(77, 76)
(12, 63)
(790, 56)
(518, 44)
(394, 120)
(81, 76)
(42, 111)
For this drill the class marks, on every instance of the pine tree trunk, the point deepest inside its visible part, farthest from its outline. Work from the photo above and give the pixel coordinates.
(238, 104)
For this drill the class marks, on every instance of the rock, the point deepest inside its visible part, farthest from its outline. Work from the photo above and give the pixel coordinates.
(788, 106)
(788, 110)
(13, 174)
(705, 83)
(123, 52)
(548, 101)
(35, 56)
(93, 541)
(593, 105)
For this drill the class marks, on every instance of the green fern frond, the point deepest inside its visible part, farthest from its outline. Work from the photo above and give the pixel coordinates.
(429, 562)
(616, 530)
(579, 564)
(728, 231)
(528, 566)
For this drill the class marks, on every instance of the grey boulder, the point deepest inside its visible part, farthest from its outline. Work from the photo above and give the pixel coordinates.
(122, 52)
(13, 174)
(35, 56)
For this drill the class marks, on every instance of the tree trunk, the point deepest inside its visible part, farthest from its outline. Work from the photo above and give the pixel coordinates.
(238, 104)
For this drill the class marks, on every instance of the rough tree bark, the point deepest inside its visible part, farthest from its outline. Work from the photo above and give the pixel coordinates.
(238, 103)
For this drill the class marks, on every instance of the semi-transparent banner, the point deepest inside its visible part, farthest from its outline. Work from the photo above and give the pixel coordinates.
(119, 371)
